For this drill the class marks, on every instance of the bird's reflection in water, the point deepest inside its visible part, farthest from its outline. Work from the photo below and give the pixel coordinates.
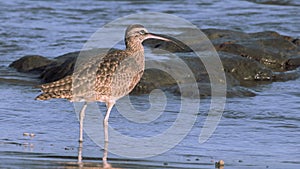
(105, 164)
(80, 154)
(104, 158)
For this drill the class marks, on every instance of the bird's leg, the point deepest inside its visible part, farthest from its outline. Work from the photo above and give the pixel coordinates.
(80, 154)
(81, 118)
(104, 158)
(109, 106)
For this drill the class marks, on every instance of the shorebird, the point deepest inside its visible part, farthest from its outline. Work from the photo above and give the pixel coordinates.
(105, 79)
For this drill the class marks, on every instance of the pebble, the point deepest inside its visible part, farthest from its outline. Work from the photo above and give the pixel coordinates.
(29, 134)
(219, 164)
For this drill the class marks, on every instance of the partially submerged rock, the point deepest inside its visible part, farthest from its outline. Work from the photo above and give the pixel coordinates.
(31, 63)
(271, 49)
(244, 69)
(247, 58)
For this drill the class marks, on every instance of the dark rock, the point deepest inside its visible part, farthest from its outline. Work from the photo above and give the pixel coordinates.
(293, 63)
(248, 59)
(204, 90)
(272, 42)
(171, 73)
(58, 69)
(238, 70)
(244, 69)
(162, 80)
(223, 35)
(31, 63)
(296, 42)
(271, 60)
(269, 48)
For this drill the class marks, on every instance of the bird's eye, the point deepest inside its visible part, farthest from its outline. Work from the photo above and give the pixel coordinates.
(142, 32)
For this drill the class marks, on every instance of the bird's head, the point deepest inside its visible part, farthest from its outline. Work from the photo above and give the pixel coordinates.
(135, 35)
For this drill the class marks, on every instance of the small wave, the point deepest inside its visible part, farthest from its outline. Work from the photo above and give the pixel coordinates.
(11, 76)
(17, 81)
(276, 2)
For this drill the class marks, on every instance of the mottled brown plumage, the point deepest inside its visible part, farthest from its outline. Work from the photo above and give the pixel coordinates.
(104, 78)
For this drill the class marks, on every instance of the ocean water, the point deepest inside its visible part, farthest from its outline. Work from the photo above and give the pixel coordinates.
(253, 132)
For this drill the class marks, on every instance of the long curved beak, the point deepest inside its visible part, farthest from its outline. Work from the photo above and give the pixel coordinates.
(172, 40)
(157, 36)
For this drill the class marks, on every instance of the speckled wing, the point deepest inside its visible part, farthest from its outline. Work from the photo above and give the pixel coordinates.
(109, 77)
(117, 75)
(93, 72)
(98, 78)
(127, 75)
(79, 84)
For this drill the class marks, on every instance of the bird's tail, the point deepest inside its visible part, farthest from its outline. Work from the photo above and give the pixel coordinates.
(52, 95)
(58, 89)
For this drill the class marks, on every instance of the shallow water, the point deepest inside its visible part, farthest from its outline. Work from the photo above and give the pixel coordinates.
(255, 132)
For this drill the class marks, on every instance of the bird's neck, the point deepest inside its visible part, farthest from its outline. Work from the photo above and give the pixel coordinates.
(133, 46)
(135, 50)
